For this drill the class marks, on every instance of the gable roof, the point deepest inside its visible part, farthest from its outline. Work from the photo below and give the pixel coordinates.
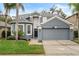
(59, 18)
(47, 14)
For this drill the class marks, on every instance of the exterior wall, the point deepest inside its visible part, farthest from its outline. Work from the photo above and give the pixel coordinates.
(73, 20)
(36, 22)
(1, 30)
(55, 22)
(40, 34)
(71, 35)
(61, 30)
(13, 27)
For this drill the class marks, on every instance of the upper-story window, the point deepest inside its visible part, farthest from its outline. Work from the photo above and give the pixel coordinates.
(28, 18)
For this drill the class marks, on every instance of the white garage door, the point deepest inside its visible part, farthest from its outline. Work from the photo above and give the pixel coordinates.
(55, 34)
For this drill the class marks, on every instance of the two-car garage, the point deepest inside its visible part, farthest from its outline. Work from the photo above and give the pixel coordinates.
(55, 34)
(55, 28)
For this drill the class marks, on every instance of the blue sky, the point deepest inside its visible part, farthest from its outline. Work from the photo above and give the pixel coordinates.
(31, 7)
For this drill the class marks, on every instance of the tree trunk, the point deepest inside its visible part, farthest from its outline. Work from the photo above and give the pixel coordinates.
(17, 11)
(6, 23)
(78, 25)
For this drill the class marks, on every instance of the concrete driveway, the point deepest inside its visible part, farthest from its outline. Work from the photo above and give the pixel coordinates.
(60, 47)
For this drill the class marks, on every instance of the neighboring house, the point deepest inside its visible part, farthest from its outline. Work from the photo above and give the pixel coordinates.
(30, 24)
(2, 28)
(73, 19)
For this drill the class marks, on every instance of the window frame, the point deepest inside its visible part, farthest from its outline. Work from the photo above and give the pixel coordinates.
(22, 25)
(30, 29)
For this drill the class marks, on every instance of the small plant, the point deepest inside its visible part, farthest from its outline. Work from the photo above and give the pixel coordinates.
(20, 34)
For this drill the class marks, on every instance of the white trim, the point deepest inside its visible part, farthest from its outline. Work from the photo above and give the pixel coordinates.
(11, 29)
(65, 21)
(20, 24)
(27, 29)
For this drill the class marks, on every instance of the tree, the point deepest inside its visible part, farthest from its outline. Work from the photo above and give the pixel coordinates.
(61, 13)
(75, 7)
(18, 5)
(7, 7)
(53, 8)
(58, 10)
(2, 18)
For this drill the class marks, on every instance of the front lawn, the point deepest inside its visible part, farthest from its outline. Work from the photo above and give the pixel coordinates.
(19, 47)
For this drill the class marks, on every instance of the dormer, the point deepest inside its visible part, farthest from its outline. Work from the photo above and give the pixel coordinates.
(28, 18)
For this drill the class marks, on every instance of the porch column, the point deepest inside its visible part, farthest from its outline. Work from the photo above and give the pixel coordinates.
(31, 18)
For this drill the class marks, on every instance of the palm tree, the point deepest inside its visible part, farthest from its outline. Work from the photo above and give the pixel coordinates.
(18, 5)
(61, 13)
(53, 8)
(7, 7)
(75, 7)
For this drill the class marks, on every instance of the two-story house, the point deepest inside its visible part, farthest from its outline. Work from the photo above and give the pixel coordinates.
(30, 24)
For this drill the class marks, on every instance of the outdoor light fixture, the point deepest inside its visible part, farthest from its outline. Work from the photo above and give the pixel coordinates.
(54, 27)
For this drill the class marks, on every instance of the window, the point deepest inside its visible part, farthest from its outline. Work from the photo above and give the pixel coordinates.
(20, 27)
(12, 28)
(29, 29)
(28, 18)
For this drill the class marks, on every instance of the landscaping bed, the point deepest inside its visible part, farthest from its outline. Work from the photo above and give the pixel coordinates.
(19, 47)
(76, 40)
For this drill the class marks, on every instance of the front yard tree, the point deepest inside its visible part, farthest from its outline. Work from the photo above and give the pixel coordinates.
(75, 7)
(53, 8)
(7, 8)
(18, 5)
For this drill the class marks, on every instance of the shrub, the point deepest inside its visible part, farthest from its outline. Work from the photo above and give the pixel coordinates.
(11, 38)
(75, 34)
(20, 34)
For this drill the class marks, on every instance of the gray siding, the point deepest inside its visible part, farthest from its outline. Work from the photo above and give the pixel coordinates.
(62, 32)
(71, 35)
(25, 33)
(55, 22)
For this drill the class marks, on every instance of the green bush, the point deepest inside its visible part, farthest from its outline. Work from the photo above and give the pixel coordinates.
(75, 34)
(11, 38)
(20, 34)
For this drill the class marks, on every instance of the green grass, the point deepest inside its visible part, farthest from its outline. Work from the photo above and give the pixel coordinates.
(19, 47)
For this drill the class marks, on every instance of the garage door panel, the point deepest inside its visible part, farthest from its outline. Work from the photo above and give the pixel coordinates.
(55, 34)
